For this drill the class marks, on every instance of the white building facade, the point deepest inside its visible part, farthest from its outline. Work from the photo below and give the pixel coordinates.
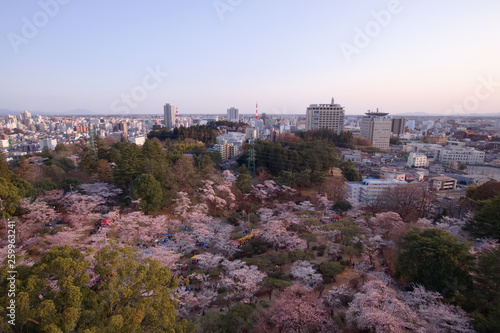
(325, 116)
(417, 160)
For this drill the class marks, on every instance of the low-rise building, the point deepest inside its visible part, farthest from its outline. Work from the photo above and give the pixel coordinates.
(417, 160)
(370, 189)
(463, 155)
(442, 183)
(354, 156)
(138, 140)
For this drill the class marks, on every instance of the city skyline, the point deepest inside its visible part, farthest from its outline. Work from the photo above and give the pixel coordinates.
(401, 56)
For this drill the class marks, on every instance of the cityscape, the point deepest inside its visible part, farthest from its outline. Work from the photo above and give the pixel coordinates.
(233, 166)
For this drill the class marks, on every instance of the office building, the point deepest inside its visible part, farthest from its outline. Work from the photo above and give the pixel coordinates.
(398, 126)
(370, 189)
(169, 115)
(459, 154)
(376, 127)
(325, 116)
(417, 160)
(233, 114)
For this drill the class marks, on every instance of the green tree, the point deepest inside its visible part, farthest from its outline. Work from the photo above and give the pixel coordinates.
(438, 261)
(88, 161)
(240, 318)
(342, 206)
(24, 188)
(309, 238)
(487, 292)
(9, 195)
(154, 160)
(278, 259)
(60, 148)
(128, 166)
(46, 152)
(4, 169)
(330, 270)
(273, 283)
(353, 175)
(129, 295)
(298, 255)
(70, 184)
(148, 190)
(213, 322)
(486, 222)
(244, 180)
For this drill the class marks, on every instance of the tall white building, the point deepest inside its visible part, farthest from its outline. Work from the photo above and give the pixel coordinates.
(376, 127)
(325, 116)
(233, 114)
(169, 114)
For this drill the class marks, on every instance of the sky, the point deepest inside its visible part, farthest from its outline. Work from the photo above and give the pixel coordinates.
(205, 56)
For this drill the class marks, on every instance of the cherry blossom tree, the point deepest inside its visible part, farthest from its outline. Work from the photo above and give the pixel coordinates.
(228, 176)
(387, 224)
(269, 190)
(210, 195)
(38, 211)
(221, 240)
(298, 310)
(304, 272)
(208, 260)
(165, 256)
(265, 214)
(372, 247)
(305, 206)
(438, 316)
(377, 308)
(323, 202)
(183, 203)
(338, 297)
(276, 234)
(190, 301)
(243, 280)
(105, 191)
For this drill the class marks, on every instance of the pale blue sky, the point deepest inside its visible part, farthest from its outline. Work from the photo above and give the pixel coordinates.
(285, 54)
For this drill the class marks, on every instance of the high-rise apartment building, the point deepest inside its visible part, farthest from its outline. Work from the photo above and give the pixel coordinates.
(398, 126)
(325, 116)
(376, 127)
(169, 115)
(233, 114)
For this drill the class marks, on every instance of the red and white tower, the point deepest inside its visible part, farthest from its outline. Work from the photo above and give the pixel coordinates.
(176, 117)
(256, 111)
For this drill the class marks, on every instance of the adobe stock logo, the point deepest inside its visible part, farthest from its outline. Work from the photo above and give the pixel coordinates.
(139, 93)
(372, 29)
(30, 28)
(223, 6)
(482, 92)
